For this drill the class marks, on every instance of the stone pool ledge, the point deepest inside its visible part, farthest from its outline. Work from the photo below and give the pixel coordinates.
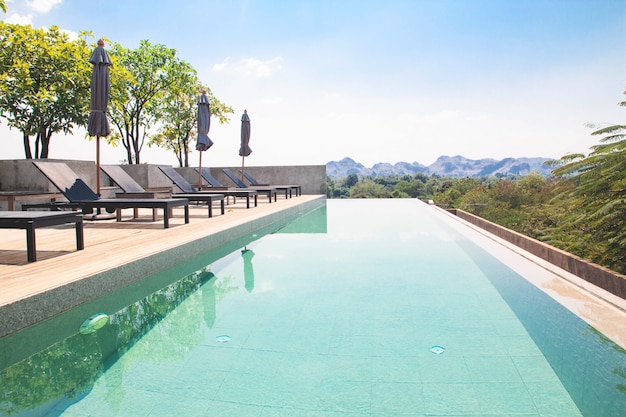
(38, 297)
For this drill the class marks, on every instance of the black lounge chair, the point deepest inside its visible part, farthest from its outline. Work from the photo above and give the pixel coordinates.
(184, 185)
(215, 184)
(81, 196)
(131, 189)
(270, 191)
(253, 182)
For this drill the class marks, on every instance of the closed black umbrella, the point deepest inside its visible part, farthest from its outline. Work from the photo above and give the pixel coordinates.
(204, 124)
(98, 125)
(244, 149)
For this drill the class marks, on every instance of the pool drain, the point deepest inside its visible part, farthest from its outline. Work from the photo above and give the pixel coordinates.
(437, 350)
(223, 338)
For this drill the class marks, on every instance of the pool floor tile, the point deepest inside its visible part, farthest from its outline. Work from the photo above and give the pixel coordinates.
(395, 369)
(444, 368)
(451, 399)
(504, 398)
(535, 369)
(492, 369)
(397, 399)
(552, 400)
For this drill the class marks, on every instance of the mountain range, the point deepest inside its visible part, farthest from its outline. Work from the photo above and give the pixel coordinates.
(451, 166)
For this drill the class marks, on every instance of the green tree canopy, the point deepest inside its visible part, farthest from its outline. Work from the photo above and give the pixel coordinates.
(139, 78)
(600, 193)
(44, 83)
(177, 112)
(369, 189)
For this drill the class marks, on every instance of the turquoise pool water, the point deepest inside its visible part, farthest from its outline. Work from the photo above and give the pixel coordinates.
(362, 308)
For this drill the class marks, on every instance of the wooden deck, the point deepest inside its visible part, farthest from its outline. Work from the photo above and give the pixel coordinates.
(110, 244)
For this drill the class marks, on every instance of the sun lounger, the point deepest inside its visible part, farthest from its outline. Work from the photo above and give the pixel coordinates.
(253, 182)
(270, 191)
(215, 184)
(81, 196)
(188, 189)
(132, 189)
(31, 220)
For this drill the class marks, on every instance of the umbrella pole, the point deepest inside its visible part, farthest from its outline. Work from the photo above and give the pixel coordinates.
(200, 173)
(98, 165)
(242, 159)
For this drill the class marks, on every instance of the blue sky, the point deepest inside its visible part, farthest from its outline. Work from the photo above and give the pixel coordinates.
(379, 81)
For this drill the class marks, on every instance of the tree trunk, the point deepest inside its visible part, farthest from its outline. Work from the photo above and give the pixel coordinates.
(27, 152)
(185, 150)
(129, 155)
(45, 142)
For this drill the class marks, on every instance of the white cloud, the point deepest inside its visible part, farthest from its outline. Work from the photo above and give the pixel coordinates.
(71, 34)
(42, 6)
(221, 66)
(258, 68)
(18, 19)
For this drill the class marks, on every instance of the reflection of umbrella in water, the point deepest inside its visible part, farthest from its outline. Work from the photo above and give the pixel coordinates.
(248, 270)
(204, 123)
(98, 125)
(208, 299)
(244, 150)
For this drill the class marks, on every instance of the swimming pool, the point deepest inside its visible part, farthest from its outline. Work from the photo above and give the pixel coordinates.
(362, 308)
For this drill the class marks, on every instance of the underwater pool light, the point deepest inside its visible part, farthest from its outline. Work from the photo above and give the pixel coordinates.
(93, 323)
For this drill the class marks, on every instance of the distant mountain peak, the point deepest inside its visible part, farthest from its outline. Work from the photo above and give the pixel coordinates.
(454, 166)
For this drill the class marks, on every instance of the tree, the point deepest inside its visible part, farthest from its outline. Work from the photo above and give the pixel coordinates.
(3, 6)
(411, 189)
(600, 191)
(351, 180)
(44, 83)
(178, 111)
(369, 189)
(139, 78)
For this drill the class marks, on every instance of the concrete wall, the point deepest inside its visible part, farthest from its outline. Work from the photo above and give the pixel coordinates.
(312, 178)
(22, 175)
(600, 276)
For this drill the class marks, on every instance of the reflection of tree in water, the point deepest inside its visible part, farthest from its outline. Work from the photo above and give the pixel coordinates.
(70, 368)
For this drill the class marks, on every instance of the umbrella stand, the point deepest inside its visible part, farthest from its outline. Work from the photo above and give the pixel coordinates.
(98, 215)
(98, 165)
(200, 174)
(242, 159)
